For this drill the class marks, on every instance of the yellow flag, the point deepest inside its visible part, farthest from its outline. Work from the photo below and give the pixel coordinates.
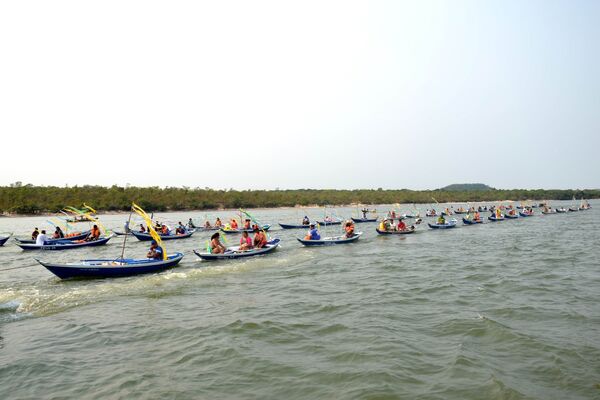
(138, 210)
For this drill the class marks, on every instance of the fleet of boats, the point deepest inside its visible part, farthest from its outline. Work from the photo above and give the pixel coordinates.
(160, 261)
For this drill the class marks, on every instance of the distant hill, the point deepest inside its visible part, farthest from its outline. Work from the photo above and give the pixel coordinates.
(466, 187)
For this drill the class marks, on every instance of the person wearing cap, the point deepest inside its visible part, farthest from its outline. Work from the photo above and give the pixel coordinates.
(260, 240)
(313, 233)
(215, 244)
(156, 252)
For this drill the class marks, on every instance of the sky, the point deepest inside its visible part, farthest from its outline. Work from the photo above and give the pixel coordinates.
(311, 94)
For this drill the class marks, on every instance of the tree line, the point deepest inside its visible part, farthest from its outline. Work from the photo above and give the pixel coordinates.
(29, 199)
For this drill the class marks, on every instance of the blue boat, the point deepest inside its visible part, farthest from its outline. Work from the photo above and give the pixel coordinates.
(361, 220)
(328, 241)
(404, 232)
(79, 236)
(329, 222)
(496, 219)
(146, 237)
(522, 214)
(235, 252)
(292, 226)
(64, 244)
(447, 225)
(3, 240)
(265, 227)
(109, 268)
(513, 216)
(468, 221)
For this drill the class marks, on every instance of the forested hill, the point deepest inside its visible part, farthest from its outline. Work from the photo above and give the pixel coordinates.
(466, 187)
(28, 199)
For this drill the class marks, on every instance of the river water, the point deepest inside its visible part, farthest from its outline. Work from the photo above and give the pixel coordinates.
(507, 310)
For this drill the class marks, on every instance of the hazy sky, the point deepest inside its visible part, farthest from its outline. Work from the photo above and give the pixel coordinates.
(319, 94)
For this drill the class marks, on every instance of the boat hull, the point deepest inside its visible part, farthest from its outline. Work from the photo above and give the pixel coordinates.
(495, 219)
(146, 237)
(330, 241)
(522, 214)
(292, 226)
(406, 232)
(80, 236)
(111, 268)
(508, 216)
(3, 240)
(235, 253)
(263, 228)
(64, 244)
(447, 225)
(472, 221)
(363, 220)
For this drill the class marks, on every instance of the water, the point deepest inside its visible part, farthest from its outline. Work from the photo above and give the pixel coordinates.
(505, 310)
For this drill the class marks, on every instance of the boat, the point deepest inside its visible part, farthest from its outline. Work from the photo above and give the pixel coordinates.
(431, 213)
(447, 225)
(526, 214)
(249, 230)
(469, 221)
(3, 239)
(107, 268)
(119, 233)
(292, 226)
(328, 241)
(391, 232)
(235, 252)
(64, 244)
(493, 218)
(361, 220)
(549, 211)
(336, 222)
(573, 209)
(146, 237)
(561, 210)
(460, 210)
(76, 236)
(511, 216)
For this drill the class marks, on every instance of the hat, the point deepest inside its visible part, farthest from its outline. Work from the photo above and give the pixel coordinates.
(153, 243)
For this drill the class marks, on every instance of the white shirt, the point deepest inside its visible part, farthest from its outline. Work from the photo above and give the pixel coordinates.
(41, 239)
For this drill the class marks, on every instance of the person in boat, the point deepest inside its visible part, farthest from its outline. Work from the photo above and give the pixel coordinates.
(441, 220)
(313, 233)
(215, 244)
(401, 225)
(158, 226)
(476, 216)
(180, 230)
(41, 238)
(349, 229)
(260, 239)
(383, 225)
(155, 252)
(142, 229)
(364, 212)
(58, 233)
(35, 234)
(498, 213)
(207, 224)
(306, 221)
(233, 224)
(245, 241)
(218, 222)
(247, 224)
(94, 234)
(191, 224)
(393, 215)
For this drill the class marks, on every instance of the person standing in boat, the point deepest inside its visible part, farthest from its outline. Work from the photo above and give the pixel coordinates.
(35, 234)
(41, 238)
(215, 244)
(260, 240)
(364, 212)
(58, 233)
(313, 233)
(156, 252)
